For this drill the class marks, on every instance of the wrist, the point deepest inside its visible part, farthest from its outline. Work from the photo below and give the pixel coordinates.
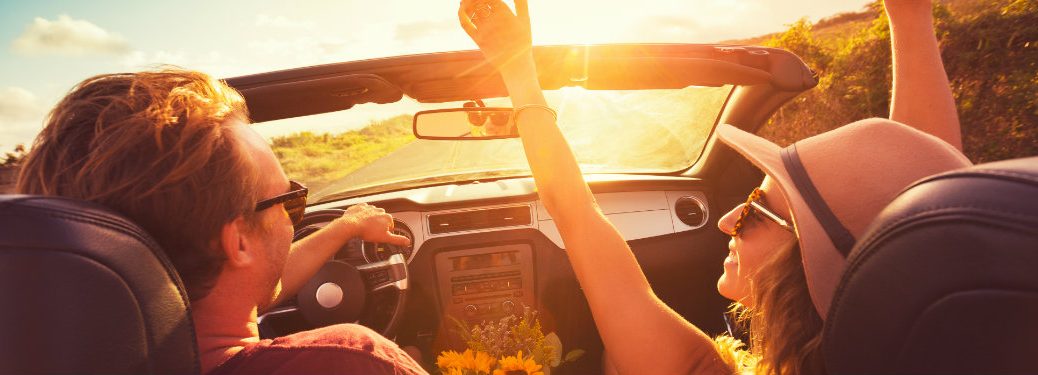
(344, 227)
(912, 10)
(519, 70)
(526, 93)
(522, 83)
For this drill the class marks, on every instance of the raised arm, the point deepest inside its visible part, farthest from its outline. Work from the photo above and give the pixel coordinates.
(922, 96)
(641, 333)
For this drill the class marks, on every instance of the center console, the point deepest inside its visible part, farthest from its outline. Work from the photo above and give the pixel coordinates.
(485, 283)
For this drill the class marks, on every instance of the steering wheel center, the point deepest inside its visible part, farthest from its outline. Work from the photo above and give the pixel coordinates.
(329, 295)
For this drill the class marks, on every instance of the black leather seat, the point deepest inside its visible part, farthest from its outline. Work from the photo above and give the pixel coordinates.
(945, 280)
(85, 291)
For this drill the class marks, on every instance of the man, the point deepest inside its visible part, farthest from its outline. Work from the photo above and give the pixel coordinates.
(172, 151)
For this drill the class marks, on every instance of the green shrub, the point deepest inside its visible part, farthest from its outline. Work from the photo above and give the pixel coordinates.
(989, 52)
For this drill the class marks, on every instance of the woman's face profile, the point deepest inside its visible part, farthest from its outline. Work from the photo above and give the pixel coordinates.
(757, 240)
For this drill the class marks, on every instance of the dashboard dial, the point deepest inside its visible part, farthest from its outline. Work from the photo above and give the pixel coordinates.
(377, 252)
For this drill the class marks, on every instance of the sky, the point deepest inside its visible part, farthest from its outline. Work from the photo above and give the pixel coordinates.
(46, 47)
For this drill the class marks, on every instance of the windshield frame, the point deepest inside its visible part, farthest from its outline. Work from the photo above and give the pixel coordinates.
(394, 186)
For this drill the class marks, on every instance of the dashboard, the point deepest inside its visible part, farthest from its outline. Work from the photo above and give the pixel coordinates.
(483, 250)
(636, 214)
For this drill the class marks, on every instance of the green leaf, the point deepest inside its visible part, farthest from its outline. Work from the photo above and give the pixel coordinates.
(552, 340)
(574, 355)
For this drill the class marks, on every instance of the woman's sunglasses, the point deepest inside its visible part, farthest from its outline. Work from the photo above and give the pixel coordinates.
(294, 200)
(753, 206)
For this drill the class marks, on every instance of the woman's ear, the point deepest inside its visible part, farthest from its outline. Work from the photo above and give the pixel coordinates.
(234, 245)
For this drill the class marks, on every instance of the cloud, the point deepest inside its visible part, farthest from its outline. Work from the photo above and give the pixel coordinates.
(420, 29)
(21, 117)
(213, 62)
(17, 104)
(299, 51)
(669, 29)
(68, 37)
(143, 60)
(282, 22)
(301, 45)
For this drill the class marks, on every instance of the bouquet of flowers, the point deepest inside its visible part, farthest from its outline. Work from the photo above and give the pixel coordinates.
(513, 345)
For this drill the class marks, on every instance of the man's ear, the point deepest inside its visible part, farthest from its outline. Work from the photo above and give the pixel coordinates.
(234, 244)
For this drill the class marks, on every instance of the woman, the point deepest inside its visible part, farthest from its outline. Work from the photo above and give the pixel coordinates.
(789, 241)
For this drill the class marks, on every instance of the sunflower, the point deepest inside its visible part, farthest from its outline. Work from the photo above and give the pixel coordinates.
(482, 362)
(450, 359)
(517, 365)
(468, 360)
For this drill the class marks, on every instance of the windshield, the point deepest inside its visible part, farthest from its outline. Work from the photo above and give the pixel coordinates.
(635, 131)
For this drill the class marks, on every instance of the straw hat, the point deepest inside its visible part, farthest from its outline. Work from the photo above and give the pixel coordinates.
(838, 181)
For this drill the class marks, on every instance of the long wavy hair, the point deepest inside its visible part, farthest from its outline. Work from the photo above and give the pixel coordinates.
(785, 330)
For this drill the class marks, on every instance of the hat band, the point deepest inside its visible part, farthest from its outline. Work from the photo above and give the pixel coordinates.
(838, 234)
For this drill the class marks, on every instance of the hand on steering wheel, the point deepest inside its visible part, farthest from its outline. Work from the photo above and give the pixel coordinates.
(341, 292)
(372, 224)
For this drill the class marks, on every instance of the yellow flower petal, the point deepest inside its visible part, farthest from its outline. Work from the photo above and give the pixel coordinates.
(482, 362)
(450, 359)
(518, 363)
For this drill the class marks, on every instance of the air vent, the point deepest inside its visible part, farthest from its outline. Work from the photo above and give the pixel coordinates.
(479, 219)
(690, 211)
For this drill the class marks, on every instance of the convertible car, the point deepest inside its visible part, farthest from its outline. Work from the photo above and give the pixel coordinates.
(640, 118)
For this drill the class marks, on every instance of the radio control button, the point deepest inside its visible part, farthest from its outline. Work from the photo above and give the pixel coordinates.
(471, 310)
(507, 307)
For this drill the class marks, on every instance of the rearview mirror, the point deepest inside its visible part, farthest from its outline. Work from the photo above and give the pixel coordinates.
(465, 124)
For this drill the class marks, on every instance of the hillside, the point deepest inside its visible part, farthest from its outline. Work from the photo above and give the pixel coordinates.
(318, 159)
(990, 51)
(841, 25)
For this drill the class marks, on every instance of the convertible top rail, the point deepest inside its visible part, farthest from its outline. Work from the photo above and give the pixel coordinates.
(463, 75)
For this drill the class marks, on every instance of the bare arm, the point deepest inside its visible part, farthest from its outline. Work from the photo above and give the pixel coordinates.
(308, 255)
(922, 96)
(642, 334)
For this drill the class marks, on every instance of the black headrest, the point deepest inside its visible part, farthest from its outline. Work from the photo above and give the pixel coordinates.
(945, 280)
(86, 291)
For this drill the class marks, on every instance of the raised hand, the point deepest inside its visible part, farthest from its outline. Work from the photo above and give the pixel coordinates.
(373, 224)
(503, 37)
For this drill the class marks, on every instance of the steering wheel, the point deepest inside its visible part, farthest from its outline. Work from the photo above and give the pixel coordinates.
(341, 292)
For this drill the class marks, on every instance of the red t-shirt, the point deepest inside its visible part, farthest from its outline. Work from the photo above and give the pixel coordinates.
(337, 349)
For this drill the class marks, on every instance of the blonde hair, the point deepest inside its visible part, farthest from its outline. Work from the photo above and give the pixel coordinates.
(158, 148)
(785, 330)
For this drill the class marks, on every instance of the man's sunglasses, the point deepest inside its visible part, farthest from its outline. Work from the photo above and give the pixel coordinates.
(753, 206)
(294, 200)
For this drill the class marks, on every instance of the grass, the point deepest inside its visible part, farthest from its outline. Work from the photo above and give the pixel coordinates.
(319, 159)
